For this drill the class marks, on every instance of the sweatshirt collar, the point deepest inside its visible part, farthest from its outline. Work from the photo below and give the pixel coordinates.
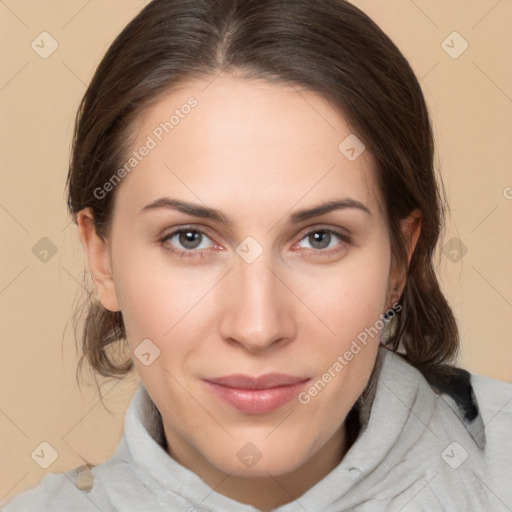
(399, 391)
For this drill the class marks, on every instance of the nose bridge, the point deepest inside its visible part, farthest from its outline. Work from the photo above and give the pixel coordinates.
(257, 313)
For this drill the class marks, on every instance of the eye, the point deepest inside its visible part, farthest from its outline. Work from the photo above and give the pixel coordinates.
(190, 242)
(325, 240)
(190, 239)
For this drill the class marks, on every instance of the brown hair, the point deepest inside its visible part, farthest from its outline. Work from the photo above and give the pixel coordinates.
(326, 46)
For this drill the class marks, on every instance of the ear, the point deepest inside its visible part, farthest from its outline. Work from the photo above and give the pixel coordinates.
(410, 229)
(98, 255)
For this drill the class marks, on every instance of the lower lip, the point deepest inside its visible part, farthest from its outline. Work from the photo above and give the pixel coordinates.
(257, 401)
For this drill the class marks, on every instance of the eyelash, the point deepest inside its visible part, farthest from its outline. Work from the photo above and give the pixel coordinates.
(200, 252)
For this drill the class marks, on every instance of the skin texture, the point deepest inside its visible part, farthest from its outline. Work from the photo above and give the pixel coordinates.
(258, 152)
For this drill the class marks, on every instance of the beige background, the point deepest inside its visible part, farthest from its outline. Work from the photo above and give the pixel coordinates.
(471, 103)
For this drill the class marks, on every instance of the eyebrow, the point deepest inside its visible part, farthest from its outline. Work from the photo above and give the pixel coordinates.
(205, 212)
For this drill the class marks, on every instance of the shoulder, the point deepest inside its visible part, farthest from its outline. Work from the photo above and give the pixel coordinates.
(482, 405)
(494, 398)
(467, 442)
(478, 397)
(471, 394)
(81, 489)
(492, 393)
(56, 492)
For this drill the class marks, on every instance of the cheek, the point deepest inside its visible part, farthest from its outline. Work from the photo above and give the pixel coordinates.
(350, 303)
(146, 293)
(162, 301)
(351, 306)
(352, 296)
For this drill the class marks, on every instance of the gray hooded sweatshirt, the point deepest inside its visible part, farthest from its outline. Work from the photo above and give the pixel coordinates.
(422, 446)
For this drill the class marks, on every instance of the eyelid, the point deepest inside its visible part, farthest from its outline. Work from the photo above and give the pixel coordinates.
(337, 230)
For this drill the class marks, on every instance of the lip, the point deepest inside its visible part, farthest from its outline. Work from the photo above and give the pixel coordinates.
(256, 395)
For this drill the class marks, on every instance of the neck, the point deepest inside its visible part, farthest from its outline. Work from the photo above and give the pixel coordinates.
(264, 493)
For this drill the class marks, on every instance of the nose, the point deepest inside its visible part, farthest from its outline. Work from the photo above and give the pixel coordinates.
(257, 308)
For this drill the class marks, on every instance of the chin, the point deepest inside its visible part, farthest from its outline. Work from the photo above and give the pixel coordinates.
(252, 462)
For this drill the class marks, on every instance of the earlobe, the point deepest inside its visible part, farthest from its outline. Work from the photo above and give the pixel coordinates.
(98, 256)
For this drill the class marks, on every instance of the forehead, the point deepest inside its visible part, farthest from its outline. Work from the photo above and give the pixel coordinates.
(244, 143)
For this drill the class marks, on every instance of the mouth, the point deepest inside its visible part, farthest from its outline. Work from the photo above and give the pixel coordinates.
(256, 395)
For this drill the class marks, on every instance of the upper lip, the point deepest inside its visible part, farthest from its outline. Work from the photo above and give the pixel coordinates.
(269, 380)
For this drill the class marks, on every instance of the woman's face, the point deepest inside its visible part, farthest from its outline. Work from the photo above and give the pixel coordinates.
(264, 286)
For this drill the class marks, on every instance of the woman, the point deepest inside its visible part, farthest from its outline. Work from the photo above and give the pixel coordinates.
(253, 185)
